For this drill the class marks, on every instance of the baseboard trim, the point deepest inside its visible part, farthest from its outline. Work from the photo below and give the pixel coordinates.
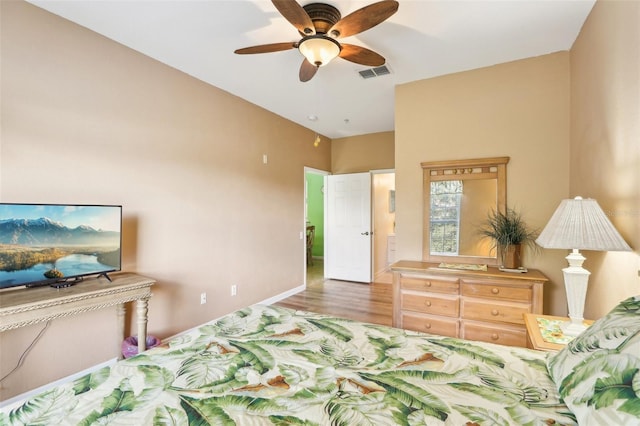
(383, 276)
(282, 296)
(14, 402)
(269, 301)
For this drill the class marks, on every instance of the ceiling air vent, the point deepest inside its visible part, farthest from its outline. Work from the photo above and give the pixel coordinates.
(374, 72)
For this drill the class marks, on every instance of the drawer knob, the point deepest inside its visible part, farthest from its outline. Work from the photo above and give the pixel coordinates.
(427, 326)
(495, 312)
(428, 303)
(495, 336)
(495, 290)
(427, 284)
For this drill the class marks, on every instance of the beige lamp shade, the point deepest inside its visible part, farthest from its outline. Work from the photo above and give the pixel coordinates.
(581, 224)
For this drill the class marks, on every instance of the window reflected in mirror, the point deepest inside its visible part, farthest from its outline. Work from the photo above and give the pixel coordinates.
(458, 196)
(446, 197)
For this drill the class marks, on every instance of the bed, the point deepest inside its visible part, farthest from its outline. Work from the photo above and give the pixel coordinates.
(267, 365)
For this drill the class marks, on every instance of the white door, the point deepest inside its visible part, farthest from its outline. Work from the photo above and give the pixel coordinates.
(347, 254)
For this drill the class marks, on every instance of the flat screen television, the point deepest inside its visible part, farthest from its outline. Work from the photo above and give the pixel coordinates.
(58, 244)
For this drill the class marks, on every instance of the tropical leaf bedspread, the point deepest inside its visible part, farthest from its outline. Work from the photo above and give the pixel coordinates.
(265, 365)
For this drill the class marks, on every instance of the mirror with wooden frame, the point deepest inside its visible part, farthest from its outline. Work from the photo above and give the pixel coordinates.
(458, 197)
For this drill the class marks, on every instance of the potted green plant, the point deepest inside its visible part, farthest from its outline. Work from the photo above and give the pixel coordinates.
(509, 233)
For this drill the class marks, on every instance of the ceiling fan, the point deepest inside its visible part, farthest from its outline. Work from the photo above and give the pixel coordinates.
(320, 25)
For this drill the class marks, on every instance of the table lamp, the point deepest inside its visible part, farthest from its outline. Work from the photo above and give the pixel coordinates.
(579, 224)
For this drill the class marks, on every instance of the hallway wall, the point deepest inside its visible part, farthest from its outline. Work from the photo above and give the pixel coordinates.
(383, 223)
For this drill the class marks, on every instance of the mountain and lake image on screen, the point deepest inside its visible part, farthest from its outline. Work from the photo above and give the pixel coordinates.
(57, 244)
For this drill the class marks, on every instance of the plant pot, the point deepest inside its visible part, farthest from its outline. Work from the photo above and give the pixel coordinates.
(511, 258)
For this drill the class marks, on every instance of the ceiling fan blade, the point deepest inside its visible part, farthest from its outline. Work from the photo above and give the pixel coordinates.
(266, 48)
(296, 15)
(364, 18)
(307, 71)
(361, 55)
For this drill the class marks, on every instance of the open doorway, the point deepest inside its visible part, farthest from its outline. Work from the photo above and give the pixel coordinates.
(382, 224)
(314, 217)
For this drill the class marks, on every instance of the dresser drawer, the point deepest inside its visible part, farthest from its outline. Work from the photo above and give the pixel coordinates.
(510, 336)
(431, 304)
(484, 305)
(499, 312)
(428, 324)
(496, 291)
(430, 285)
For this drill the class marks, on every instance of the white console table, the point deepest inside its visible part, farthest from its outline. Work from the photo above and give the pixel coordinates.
(21, 307)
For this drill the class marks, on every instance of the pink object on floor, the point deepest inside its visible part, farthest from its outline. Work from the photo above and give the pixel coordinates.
(130, 345)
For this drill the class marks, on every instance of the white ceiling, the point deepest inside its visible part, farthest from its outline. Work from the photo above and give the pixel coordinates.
(425, 38)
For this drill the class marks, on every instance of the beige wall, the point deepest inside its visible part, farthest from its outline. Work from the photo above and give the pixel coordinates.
(86, 120)
(605, 141)
(518, 109)
(355, 154)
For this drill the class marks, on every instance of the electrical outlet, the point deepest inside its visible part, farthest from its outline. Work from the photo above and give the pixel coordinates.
(203, 298)
(234, 290)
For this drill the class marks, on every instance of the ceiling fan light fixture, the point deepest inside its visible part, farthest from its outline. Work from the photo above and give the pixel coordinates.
(319, 49)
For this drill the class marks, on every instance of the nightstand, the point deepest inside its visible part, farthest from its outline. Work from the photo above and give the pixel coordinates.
(544, 334)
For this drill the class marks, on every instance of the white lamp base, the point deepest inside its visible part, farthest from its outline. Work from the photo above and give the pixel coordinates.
(570, 328)
(576, 280)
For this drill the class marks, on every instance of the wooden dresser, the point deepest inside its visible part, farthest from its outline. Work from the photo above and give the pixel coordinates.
(475, 305)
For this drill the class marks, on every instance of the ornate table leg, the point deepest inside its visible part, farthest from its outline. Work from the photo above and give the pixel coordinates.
(120, 312)
(141, 313)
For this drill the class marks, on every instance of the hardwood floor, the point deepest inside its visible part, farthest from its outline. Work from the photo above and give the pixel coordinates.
(362, 302)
